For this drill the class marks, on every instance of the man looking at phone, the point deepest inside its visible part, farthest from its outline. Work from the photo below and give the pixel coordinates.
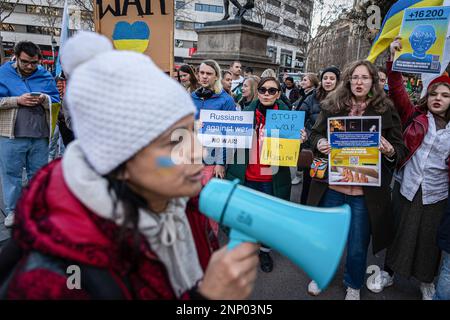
(27, 91)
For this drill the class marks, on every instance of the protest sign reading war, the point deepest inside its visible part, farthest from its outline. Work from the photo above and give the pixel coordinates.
(281, 145)
(144, 26)
(354, 158)
(423, 34)
(229, 129)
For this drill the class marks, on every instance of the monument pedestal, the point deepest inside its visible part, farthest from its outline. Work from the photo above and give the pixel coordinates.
(233, 40)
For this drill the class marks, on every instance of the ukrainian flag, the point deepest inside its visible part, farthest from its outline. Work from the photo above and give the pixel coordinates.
(392, 23)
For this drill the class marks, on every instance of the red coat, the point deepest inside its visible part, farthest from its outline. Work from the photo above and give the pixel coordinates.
(52, 221)
(415, 132)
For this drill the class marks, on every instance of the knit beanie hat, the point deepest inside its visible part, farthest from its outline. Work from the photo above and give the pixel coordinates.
(119, 101)
(441, 79)
(334, 70)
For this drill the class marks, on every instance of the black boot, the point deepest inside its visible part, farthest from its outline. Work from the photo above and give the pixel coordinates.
(265, 261)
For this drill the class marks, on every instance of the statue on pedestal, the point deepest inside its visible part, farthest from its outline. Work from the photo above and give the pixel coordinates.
(241, 9)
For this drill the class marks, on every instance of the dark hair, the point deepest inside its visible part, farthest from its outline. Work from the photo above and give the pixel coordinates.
(132, 202)
(341, 98)
(224, 72)
(234, 62)
(321, 93)
(248, 70)
(423, 103)
(186, 68)
(264, 80)
(29, 48)
(382, 70)
(289, 79)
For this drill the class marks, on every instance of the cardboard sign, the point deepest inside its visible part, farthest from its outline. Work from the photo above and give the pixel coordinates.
(229, 129)
(281, 145)
(423, 35)
(354, 158)
(144, 26)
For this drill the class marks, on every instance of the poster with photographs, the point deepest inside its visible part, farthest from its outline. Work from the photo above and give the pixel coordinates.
(354, 158)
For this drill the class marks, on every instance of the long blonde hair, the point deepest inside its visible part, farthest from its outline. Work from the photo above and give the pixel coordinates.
(217, 87)
(253, 83)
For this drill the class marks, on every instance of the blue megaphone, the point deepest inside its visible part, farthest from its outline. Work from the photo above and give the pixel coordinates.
(312, 238)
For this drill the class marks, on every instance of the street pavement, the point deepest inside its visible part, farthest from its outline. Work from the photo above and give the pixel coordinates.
(288, 282)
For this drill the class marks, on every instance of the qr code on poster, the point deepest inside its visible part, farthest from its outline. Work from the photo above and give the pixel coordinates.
(354, 161)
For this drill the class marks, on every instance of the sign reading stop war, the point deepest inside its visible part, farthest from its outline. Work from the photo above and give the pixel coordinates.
(281, 145)
(144, 26)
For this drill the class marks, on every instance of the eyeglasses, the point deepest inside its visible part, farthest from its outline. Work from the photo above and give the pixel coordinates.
(271, 91)
(30, 63)
(364, 79)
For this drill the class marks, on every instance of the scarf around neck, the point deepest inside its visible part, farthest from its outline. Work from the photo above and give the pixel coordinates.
(167, 233)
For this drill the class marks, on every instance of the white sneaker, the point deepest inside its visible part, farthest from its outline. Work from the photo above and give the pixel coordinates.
(9, 220)
(296, 180)
(313, 288)
(379, 282)
(352, 294)
(427, 290)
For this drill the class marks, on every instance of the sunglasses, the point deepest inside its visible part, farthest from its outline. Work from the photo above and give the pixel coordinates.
(271, 91)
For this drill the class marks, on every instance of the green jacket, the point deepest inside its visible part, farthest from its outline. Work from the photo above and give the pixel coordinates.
(281, 180)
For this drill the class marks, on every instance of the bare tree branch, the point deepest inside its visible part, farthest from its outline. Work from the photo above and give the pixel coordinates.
(6, 9)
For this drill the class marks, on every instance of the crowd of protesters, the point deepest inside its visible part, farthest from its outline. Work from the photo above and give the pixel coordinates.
(142, 235)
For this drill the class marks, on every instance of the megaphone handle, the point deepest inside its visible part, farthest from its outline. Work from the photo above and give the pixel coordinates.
(236, 238)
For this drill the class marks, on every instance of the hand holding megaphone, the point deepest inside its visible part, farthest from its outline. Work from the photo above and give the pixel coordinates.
(312, 238)
(231, 274)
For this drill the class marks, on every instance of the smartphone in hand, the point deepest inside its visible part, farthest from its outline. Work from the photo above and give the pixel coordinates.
(35, 94)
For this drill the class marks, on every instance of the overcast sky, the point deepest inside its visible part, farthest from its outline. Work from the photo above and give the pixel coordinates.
(329, 5)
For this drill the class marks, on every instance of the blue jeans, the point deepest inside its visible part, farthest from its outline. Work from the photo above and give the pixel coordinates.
(443, 284)
(264, 187)
(358, 237)
(16, 154)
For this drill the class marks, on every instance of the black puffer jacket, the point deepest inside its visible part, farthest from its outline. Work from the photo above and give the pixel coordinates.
(311, 106)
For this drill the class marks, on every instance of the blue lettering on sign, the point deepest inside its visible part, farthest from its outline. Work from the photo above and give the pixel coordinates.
(234, 129)
(285, 124)
(354, 139)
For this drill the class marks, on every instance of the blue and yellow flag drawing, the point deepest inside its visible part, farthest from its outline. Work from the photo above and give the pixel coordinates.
(393, 22)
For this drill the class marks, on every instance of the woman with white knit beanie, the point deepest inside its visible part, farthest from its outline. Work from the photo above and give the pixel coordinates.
(121, 203)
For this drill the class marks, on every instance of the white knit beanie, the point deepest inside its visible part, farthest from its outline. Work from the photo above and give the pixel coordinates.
(119, 100)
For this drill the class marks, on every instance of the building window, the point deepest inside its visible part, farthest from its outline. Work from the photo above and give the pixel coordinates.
(272, 53)
(289, 23)
(286, 58)
(303, 14)
(179, 25)
(48, 11)
(44, 30)
(8, 27)
(198, 25)
(290, 9)
(208, 8)
(272, 17)
(180, 4)
(275, 3)
(303, 28)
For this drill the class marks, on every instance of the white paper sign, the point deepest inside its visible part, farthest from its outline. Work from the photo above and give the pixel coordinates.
(226, 129)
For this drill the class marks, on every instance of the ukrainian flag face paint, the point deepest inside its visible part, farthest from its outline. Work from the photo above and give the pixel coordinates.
(165, 162)
(132, 37)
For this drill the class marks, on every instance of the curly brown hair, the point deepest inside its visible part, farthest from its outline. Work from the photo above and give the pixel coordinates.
(341, 98)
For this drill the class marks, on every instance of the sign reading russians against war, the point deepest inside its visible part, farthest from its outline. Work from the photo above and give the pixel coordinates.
(144, 26)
